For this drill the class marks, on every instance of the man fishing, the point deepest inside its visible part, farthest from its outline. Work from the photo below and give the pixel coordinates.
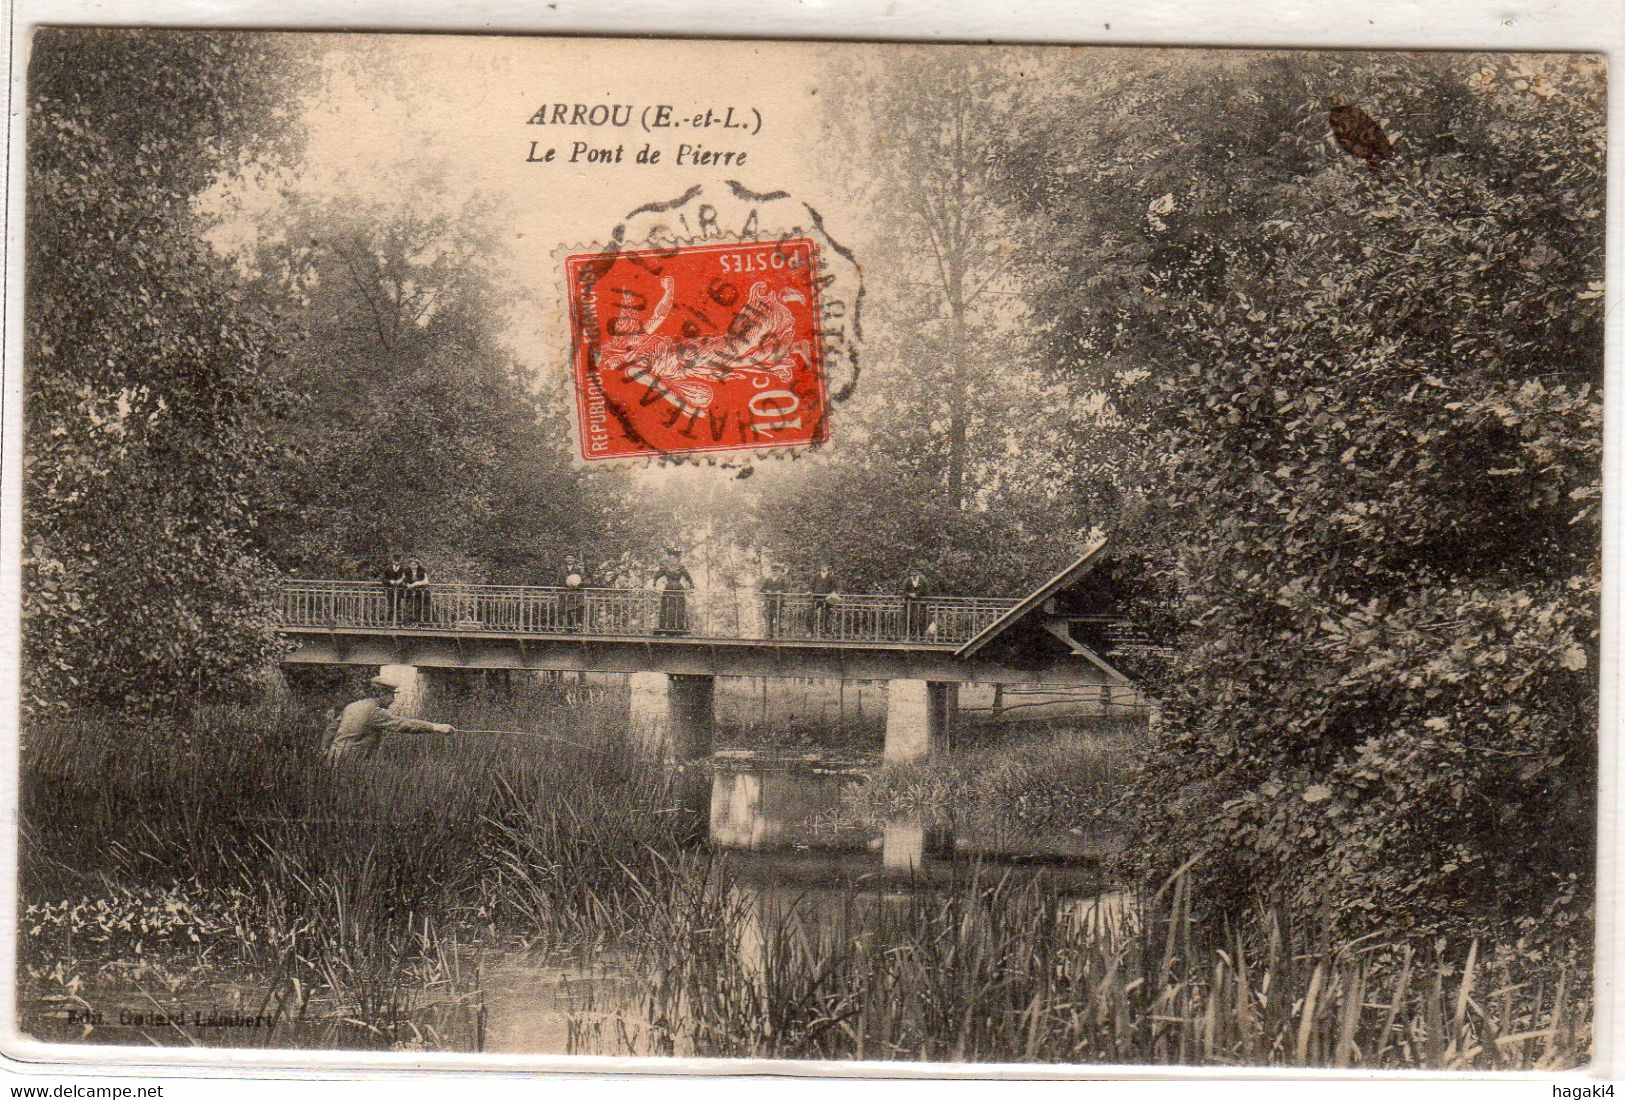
(355, 733)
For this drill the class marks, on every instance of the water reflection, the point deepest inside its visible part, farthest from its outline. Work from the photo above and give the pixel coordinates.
(791, 802)
(902, 845)
(798, 861)
(907, 845)
(762, 803)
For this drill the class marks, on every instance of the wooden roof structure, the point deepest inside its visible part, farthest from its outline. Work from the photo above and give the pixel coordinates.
(1036, 615)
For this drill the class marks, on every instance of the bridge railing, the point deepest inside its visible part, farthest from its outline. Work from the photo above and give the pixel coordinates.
(941, 619)
(638, 612)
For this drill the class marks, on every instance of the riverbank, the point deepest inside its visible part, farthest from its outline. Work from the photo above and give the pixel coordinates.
(1053, 793)
(211, 882)
(216, 864)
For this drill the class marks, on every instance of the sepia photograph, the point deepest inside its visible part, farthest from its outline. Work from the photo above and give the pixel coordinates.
(846, 553)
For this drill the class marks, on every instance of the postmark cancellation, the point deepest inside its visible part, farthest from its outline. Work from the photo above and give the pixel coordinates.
(701, 347)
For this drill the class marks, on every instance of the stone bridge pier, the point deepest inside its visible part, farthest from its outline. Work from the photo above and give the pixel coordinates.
(673, 717)
(670, 716)
(919, 718)
(425, 691)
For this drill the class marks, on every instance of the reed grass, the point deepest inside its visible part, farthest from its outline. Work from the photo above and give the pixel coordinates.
(1029, 787)
(167, 861)
(348, 895)
(992, 970)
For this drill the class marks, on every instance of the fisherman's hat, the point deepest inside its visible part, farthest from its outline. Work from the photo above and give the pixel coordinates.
(380, 682)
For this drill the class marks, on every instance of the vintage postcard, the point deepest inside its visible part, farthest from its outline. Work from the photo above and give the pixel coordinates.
(843, 553)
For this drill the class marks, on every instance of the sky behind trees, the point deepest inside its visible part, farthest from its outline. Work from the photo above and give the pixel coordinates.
(405, 127)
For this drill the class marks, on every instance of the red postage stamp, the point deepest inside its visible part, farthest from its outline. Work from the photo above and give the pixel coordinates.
(712, 347)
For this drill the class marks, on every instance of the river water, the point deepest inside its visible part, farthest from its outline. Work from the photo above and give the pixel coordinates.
(782, 825)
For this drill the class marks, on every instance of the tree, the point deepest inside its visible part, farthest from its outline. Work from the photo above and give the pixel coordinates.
(942, 245)
(877, 512)
(957, 455)
(148, 382)
(417, 431)
(1371, 468)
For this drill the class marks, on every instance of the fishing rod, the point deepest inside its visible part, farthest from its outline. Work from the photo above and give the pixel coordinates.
(536, 736)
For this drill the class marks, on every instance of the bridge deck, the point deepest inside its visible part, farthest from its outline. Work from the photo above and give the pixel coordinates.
(688, 656)
(532, 611)
(623, 630)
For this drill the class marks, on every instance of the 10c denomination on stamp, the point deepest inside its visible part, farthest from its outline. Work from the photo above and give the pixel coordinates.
(694, 348)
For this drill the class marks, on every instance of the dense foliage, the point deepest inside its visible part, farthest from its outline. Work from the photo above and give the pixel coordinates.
(1370, 473)
(150, 381)
(955, 454)
(1346, 418)
(202, 418)
(875, 518)
(418, 432)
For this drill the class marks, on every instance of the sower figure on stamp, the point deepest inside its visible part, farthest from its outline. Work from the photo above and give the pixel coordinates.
(394, 580)
(673, 582)
(355, 732)
(761, 342)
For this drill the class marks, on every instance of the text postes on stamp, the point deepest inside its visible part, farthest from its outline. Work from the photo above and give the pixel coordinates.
(704, 347)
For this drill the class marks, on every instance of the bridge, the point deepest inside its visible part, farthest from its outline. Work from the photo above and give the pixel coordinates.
(674, 644)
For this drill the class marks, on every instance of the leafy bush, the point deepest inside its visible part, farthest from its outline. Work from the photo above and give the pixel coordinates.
(1363, 474)
(150, 389)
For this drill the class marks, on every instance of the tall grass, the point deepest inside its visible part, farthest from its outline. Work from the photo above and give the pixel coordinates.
(999, 971)
(350, 893)
(1027, 788)
(168, 863)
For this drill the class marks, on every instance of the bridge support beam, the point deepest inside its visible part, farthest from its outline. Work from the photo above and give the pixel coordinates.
(411, 689)
(672, 717)
(919, 718)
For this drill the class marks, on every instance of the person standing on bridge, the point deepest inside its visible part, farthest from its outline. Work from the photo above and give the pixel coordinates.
(573, 580)
(614, 614)
(673, 582)
(394, 587)
(355, 732)
(825, 598)
(773, 589)
(417, 591)
(914, 614)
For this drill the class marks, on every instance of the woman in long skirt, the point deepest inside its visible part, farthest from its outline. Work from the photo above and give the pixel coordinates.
(673, 582)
